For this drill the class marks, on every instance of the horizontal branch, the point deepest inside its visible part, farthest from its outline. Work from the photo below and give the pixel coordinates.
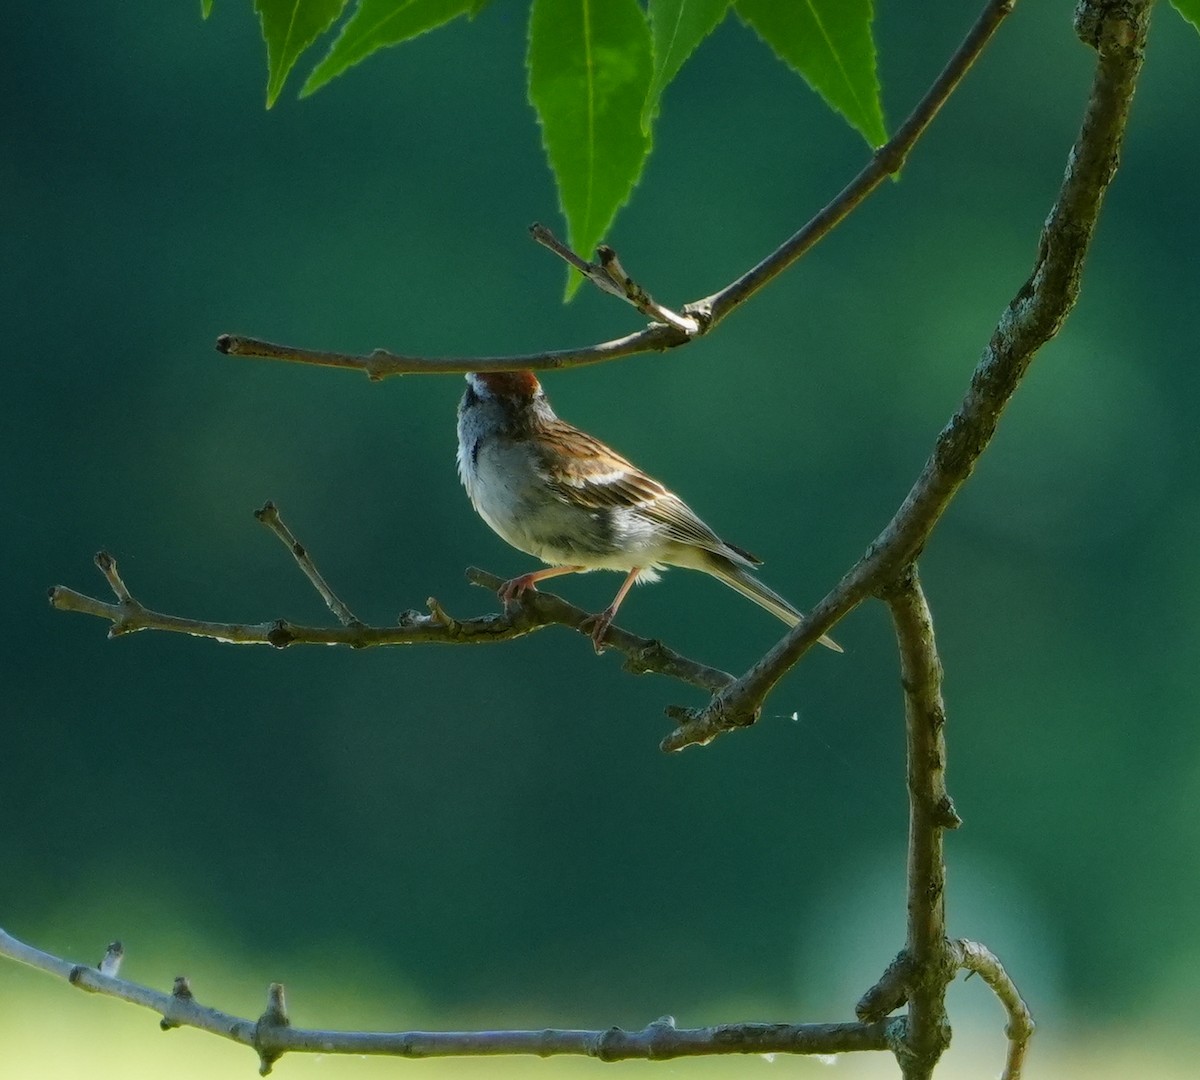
(381, 363)
(272, 1035)
(1117, 29)
(670, 328)
(533, 611)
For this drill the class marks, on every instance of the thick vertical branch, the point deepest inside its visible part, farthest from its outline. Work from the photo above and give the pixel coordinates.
(932, 962)
(1117, 30)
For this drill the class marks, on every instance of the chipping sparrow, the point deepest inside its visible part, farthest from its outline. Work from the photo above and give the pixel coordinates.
(564, 497)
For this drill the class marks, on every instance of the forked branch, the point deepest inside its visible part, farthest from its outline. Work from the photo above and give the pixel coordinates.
(533, 611)
(925, 967)
(668, 328)
(1117, 30)
(920, 974)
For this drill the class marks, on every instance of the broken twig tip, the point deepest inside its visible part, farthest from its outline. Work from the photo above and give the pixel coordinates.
(110, 962)
(276, 1012)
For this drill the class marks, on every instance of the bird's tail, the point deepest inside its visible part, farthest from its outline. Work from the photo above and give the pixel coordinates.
(749, 586)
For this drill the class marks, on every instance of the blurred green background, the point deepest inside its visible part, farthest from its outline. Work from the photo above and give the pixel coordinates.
(446, 836)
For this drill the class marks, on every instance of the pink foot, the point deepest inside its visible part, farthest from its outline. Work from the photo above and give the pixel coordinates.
(513, 590)
(596, 626)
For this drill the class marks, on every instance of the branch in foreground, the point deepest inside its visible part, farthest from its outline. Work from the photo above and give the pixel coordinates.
(1117, 29)
(534, 611)
(268, 514)
(271, 1035)
(670, 328)
(609, 276)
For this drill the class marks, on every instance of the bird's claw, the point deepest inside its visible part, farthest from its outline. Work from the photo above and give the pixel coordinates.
(596, 626)
(513, 589)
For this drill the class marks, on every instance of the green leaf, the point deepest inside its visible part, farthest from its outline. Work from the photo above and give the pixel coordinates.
(289, 27)
(828, 42)
(589, 70)
(377, 23)
(677, 27)
(1190, 10)
(205, 8)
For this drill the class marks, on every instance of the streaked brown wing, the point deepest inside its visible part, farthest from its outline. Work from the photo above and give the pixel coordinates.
(587, 473)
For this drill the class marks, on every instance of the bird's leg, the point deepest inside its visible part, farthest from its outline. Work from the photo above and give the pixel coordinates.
(600, 623)
(512, 590)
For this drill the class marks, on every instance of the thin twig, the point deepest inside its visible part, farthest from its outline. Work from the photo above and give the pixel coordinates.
(889, 159)
(979, 960)
(534, 611)
(268, 514)
(670, 328)
(548, 240)
(889, 991)
(634, 294)
(609, 276)
(108, 567)
(1035, 314)
(271, 1035)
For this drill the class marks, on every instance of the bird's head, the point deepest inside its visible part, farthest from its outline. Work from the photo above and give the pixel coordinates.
(510, 387)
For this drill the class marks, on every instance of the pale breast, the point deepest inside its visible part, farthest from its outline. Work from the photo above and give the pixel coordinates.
(509, 494)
